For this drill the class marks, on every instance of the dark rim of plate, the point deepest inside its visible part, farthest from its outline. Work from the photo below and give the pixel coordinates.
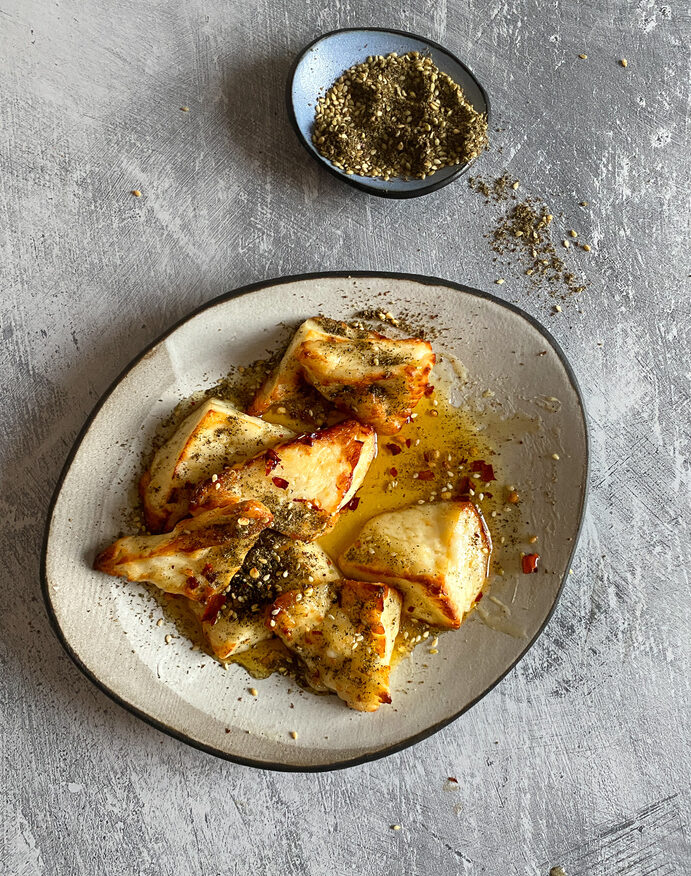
(244, 290)
(433, 185)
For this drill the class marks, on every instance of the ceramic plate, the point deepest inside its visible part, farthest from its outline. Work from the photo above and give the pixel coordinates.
(518, 380)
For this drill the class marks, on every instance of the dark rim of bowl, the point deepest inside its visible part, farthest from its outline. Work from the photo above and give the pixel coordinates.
(366, 187)
(245, 290)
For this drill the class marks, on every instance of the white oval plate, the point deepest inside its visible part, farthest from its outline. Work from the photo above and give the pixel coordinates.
(108, 626)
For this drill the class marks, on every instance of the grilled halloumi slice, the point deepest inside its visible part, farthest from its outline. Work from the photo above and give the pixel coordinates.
(212, 437)
(286, 380)
(344, 633)
(437, 555)
(378, 379)
(304, 482)
(275, 564)
(197, 559)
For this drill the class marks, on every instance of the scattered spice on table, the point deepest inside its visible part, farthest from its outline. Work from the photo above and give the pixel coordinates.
(524, 234)
(397, 116)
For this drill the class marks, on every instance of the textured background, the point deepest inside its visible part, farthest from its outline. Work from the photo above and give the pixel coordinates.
(580, 756)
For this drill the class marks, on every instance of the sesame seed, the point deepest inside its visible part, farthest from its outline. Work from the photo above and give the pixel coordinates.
(624, 62)
(555, 456)
(136, 193)
(532, 539)
(254, 572)
(218, 486)
(159, 622)
(395, 827)
(285, 574)
(565, 244)
(275, 611)
(185, 109)
(573, 233)
(500, 281)
(293, 734)
(435, 641)
(583, 57)
(514, 186)
(254, 692)
(168, 639)
(214, 478)
(557, 308)
(586, 247)
(272, 623)
(433, 651)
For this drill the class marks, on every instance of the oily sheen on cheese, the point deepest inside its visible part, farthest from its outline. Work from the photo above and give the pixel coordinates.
(436, 554)
(344, 633)
(213, 436)
(304, 482)
(377, 379)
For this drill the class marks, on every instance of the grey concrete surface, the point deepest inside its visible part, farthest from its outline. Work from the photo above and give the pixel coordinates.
(580, 757)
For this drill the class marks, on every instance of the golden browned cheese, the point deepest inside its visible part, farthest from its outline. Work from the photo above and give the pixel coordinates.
(379, 380)
(436, 554)
(213, 436)
(197, 559)
(344, 633)
(304, 482)
(275, 564)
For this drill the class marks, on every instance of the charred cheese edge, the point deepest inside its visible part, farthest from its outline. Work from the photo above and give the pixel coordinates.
(304, 482)
(212, 437)
(344, 633)
(197, 559)
(436, 554)
(241, 621)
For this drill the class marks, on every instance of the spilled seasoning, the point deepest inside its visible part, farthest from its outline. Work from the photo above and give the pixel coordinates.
(524, 237)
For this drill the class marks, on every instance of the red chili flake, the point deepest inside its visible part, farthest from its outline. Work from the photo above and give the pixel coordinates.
(407, 442)
(192, 583)
(393, 449)
(529, 563)
(354, 502)
(452, 779)
(208, 573)
(272, 459)
(426, 475)
(479, 596)
(429, 389)
(213, 608)
(393, 472)
(485, 470)
(307, 439)
(281, 483)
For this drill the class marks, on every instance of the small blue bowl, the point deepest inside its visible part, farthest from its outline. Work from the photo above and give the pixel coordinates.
(319, 65)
